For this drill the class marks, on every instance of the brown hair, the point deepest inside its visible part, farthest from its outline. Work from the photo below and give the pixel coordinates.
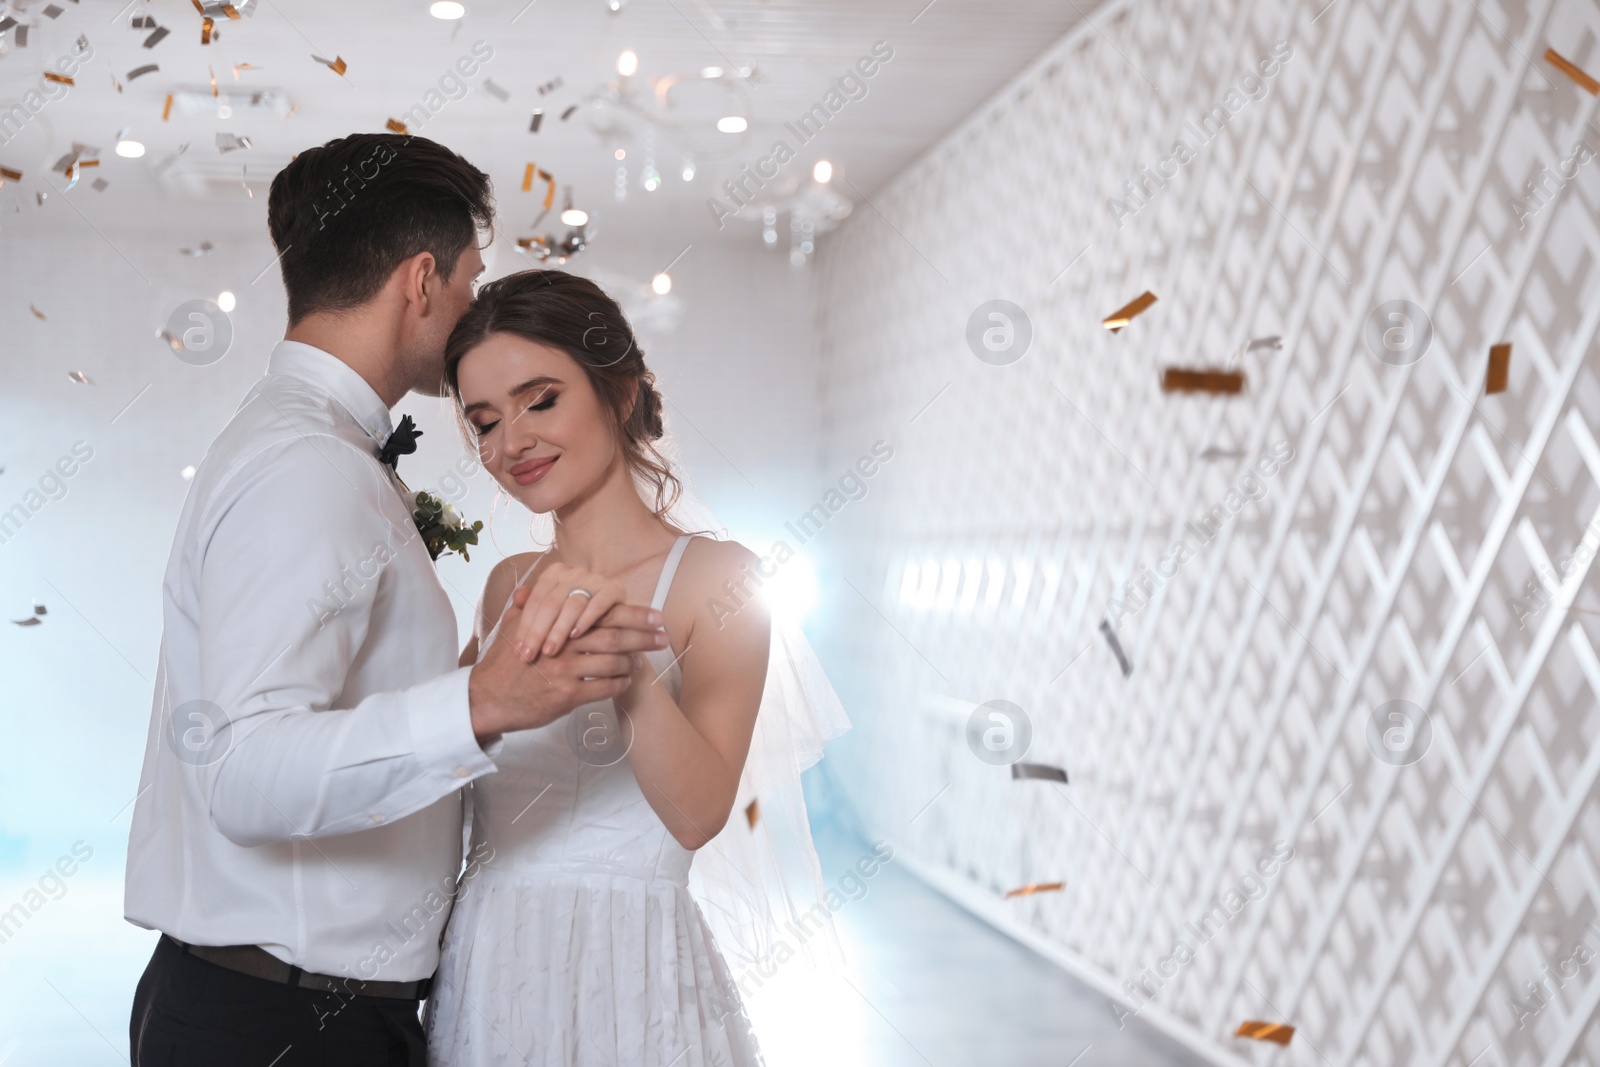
(344, 215)
(575, 315)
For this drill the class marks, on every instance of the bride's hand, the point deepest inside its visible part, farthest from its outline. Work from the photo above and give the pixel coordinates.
(563, 603)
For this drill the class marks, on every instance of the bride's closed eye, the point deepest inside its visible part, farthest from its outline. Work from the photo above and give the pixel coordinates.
(545, 404)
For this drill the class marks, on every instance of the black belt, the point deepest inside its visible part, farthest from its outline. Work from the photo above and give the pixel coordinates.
(259, 963)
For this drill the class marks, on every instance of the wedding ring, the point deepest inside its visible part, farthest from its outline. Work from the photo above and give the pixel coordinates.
(581, 592)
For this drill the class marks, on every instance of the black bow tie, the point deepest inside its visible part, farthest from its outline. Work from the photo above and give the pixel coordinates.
(402, 442)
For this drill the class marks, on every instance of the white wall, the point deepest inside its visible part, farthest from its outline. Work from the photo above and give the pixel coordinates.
(1381, 562)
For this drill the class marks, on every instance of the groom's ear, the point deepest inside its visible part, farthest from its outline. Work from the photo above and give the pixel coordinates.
(418, 279)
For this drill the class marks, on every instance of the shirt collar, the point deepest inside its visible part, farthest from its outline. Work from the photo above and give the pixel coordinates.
(336, 378)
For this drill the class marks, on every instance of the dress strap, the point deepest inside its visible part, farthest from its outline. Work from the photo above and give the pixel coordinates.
(668, 569)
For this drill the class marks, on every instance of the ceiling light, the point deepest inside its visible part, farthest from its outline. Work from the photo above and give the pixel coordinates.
(226, 301)
(628, 63)
(621, 153)
(710, 72)
(574, 217)
(130, 149)
(823, 171)
(688, 172)
(732, 124)
(661, 283)
(444, 9)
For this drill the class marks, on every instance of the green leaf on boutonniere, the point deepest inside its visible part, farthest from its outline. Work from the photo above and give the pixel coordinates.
(442, 529)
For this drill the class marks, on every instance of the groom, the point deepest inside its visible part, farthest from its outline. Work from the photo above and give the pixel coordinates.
(300, 796)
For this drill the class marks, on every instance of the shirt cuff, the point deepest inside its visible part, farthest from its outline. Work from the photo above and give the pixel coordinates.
(440, 716)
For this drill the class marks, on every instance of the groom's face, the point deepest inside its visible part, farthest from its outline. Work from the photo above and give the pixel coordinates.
(451, 299)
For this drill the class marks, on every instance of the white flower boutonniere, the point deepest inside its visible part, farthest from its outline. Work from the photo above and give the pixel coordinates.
(442, 528)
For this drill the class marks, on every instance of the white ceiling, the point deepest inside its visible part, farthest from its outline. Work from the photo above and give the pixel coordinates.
(948, 58)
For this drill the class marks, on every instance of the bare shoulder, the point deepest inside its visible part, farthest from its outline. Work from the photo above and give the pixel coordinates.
(718, 582)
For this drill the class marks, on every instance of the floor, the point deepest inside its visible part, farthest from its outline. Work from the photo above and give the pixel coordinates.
(925, 984)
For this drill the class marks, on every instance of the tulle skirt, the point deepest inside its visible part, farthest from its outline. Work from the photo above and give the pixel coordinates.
(583, 969)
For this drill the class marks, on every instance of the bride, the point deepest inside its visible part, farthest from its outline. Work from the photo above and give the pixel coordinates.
(575, 939)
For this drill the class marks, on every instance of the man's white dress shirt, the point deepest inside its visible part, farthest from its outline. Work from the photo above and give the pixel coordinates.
(310, 731)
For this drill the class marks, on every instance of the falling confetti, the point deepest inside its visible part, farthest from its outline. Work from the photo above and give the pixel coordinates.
(538, 117)
(1037, 887)
(166, 112)
(6, 22)
(37, 313)
(1260, 1031)
(1264, 342)
(567, 114)
(157, 37)
(1116, 648)
(237, 67)
(143, 22)
(1212, 453)
(396, 126)
(1128, 312)
(1042, 771)
(752, 812)
(139, 72)
(1499, 368)
(550, 86)
(80, 377)
(227, 142)
(20, 37)
(99, 185)
(1201, 380)
(32, 620)
(494, 90)
(337, 64)
(208, 30)
(53, 12)
(1572, 71)
(174, 342)
(9, 175)
(205, 249)
(59, 79)
(114, 83)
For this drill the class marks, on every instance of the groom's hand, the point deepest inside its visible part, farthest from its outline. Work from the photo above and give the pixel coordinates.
(508, 694)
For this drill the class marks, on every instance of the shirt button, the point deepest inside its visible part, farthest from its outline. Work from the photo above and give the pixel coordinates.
(377, 818)
(462, 772)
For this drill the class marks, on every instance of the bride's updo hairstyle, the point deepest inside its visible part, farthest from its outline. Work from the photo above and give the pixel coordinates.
(564, 311)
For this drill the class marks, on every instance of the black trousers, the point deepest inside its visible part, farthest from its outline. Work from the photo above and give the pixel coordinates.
(190, 1013)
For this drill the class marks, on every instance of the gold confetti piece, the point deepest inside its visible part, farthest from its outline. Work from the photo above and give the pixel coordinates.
(198, 6)
(59, 79)
(397, 126)
(337, 64)
(290, 115)
(1128, 312)
(213, 81)
(237, 67)
(139, 72)
(37, 313)
(1044, 772)
(1037, 887)
(208, 30)
(232, 12)
(172, 340)
(1499, 368)
(80, 377)
(88, 163)
(32, 620)
(114, 83)
(1116, 648)
(157, 37)
(752, 812)
(1572, 71)
(1201, 380)
(166, 112)
(550, 185)
(1260, 1031)
(9, 175)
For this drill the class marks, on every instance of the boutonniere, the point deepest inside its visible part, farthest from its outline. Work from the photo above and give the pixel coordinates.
(442, 528)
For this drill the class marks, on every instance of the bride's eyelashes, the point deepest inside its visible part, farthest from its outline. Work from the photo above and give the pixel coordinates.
(545, 404)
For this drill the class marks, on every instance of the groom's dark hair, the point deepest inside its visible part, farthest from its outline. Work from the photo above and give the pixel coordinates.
(343, 216)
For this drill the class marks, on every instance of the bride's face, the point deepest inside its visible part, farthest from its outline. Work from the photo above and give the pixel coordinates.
(543, 432)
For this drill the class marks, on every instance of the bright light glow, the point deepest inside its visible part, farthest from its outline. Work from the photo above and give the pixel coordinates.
(226, 301)
(792, 591)
(710, 72)
(732, 124)
(621, 153)
(130, 149)
(224, 111)
(823, 171)
(444, 9)
(652, 183)
(574, 217)
(661, 283)
(688, 172)
(628, 63)
(186, 474)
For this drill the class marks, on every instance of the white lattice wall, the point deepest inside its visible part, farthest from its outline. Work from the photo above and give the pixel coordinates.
(1382, 562)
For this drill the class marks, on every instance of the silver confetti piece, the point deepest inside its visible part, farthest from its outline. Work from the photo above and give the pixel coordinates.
(1116, 648)
(1041, 771)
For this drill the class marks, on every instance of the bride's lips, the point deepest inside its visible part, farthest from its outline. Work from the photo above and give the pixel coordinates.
(530, 471)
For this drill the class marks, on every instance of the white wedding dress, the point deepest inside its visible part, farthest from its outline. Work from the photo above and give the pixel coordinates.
(576, 942)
